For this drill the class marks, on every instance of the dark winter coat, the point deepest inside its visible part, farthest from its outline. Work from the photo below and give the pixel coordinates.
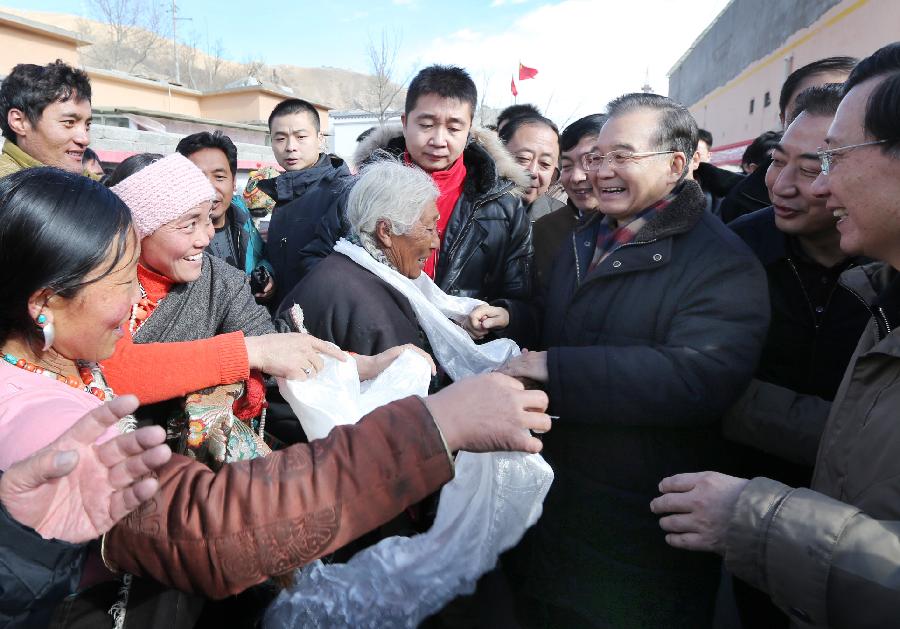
(806, 352)
(645, 354)
(35, 573)
(486, 251)
(716, 184)
(353, 308)
(746, 196)
(303, 198)
(549, 233)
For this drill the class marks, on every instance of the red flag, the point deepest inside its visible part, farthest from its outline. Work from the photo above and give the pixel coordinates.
(526, 73)
(512, 87)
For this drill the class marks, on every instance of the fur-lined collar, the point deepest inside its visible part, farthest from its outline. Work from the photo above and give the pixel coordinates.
(490, 168)
(685, 210)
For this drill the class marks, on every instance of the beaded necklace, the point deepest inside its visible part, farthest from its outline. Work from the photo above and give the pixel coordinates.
(141, 310)
(85, 371)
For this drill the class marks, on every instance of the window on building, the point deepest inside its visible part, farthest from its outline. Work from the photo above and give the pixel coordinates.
(752, 103)
(767, 100)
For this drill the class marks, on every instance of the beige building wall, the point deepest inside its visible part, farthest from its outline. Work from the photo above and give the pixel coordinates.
(853, 27)
(24, 41)
(252, 104)
(108, 89)
(21, 45)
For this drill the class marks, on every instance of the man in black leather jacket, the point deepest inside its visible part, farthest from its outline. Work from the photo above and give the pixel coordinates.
(486, 249)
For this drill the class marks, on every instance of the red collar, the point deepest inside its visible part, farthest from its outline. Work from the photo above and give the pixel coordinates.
(155, 285)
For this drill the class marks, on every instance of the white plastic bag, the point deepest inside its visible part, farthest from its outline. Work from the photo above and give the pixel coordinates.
(483, 511)
(336, 397)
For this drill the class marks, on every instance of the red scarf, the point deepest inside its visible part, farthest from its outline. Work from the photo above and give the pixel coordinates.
(450, 183)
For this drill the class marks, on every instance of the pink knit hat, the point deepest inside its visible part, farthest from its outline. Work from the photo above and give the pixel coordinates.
(163, 191)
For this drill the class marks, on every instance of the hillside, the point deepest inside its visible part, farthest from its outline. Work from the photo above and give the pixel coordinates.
(141, 52)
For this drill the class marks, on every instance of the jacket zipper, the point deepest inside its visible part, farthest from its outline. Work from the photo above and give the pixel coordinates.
(871, 312)
(469, 221)
(887, 325)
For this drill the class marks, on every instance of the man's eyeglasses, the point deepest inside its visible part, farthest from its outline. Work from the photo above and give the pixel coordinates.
(593, 161)
(826, 156)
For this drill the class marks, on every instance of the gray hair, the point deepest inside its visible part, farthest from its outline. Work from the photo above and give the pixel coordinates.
(388, 190)
(677, 130)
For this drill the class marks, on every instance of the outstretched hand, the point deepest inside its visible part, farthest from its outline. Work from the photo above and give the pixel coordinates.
(700, 507)
(75, 491)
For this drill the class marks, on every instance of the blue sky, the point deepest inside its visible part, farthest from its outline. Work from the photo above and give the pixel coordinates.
(586, 51)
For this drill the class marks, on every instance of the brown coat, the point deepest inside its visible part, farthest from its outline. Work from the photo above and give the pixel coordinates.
(830, 555)
(217, 534)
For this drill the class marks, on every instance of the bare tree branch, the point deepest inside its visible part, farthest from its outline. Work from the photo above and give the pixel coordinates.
(135, 30)
(382, 95)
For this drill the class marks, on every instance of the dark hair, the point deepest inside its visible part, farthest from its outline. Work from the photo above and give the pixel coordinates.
(56, 228)
(881, 120)
(704, 136)
(296, 106)
(514, 111)
(30, 88)
(444, 81)
(760, 148)
(795, 78)
(819, 100)
(129, 166)
(581, 128)
(509, 129)
(677, 129)
(190, 144)
(89, 155)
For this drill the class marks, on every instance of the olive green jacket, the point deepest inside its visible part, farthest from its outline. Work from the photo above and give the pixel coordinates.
(830, 556)
(13, 159)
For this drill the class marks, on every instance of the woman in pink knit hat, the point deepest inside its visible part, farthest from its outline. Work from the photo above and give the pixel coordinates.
(197, 324)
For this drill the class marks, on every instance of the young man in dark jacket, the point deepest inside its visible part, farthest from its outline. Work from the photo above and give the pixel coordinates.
(236, 240)
(310, 192)
(655, 316)
(485, 236)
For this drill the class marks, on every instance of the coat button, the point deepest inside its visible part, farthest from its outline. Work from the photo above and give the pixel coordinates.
(657, 257)
(617, 264)
(587, 243)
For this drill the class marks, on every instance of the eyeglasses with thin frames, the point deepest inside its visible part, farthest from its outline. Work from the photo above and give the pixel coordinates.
(826, 156)
(615, 159)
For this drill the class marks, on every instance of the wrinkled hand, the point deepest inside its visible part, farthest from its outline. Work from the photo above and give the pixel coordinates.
(371, 366)
(485, 319)
(531, 365)
(289, 355)
(489, 413)
(75, 491)
(701, 505)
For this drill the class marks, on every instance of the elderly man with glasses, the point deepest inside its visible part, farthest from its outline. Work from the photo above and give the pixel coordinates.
(655, 317)
(830, 555)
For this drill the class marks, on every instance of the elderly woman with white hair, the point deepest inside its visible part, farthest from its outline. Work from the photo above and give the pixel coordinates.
(393, 215)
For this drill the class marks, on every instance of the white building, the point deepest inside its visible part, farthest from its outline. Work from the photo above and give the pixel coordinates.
(346, 127)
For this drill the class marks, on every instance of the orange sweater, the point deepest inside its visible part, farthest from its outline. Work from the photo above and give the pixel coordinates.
(155, 372)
